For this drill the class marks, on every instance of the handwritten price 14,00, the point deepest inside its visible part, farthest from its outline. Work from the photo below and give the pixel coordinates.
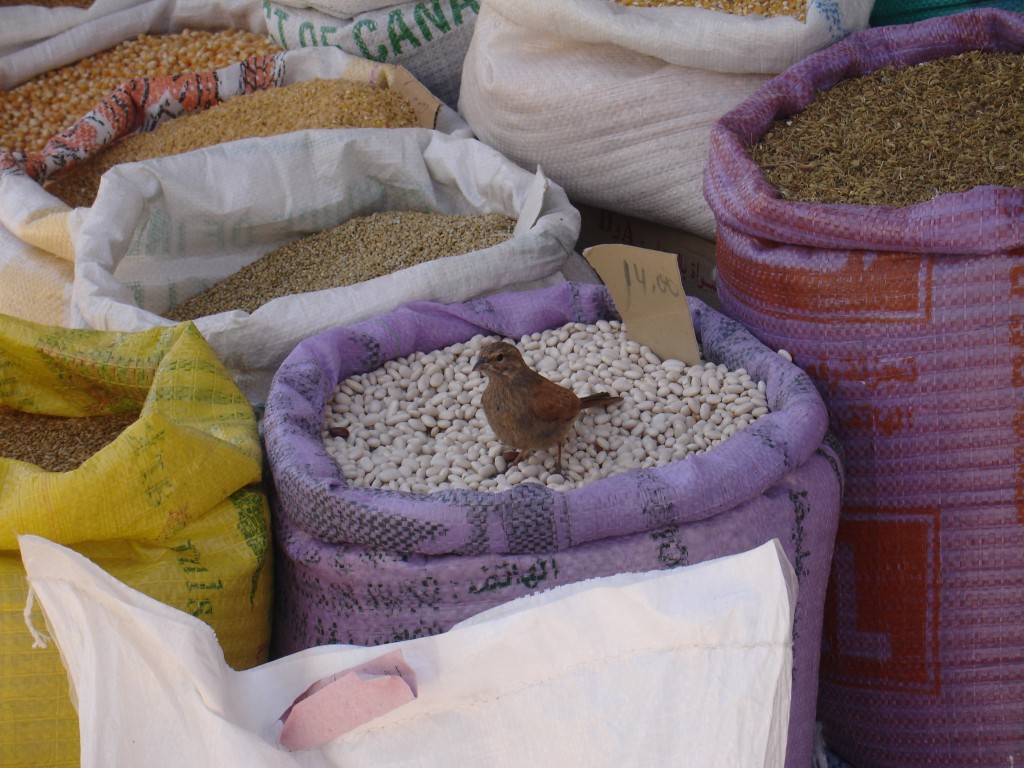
(636, 275)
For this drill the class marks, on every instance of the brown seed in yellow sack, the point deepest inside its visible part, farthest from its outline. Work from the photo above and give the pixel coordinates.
(359, 249)
(903, 135)
(38, 109)
(318, 103)
(795, 8)
(58, 443)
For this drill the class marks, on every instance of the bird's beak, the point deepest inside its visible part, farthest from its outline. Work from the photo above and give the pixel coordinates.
(479, 362)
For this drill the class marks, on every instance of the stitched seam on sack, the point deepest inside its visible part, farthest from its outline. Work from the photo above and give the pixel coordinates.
(476, 700)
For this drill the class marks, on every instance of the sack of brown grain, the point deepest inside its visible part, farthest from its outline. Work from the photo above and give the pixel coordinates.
(140, 452)
(428, 39)
(55, 65)
(616, 103)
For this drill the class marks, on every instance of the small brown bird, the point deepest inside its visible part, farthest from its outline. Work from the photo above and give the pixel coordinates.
(526, 410)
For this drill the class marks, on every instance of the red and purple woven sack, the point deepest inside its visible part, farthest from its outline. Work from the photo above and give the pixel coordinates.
(910, 321)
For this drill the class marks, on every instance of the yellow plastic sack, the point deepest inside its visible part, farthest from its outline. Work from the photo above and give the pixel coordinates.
(173, 507)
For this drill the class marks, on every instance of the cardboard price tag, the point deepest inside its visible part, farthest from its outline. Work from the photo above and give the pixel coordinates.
(424, 103)
(649, 295)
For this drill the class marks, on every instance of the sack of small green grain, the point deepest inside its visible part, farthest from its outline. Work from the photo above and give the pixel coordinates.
(55, 65)
(427, 38)
(395, 522)
(616, 102)
(140, 452)
(305, 231)
(869, 223)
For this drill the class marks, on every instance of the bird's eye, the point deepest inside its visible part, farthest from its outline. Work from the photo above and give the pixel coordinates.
(500, 357)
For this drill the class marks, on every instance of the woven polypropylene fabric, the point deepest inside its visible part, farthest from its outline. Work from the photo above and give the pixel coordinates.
(366, 566)
(906, 11)
(909, 322)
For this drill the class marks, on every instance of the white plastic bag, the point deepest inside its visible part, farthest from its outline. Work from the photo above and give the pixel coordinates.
(161, 229)
(616, 103)
(687, 667)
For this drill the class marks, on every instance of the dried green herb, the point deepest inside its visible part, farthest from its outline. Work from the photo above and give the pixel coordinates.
(904, 135)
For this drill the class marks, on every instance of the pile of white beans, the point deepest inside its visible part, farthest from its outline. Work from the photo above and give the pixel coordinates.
(416, 423)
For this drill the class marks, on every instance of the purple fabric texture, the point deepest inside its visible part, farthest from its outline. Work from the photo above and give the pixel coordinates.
(371, 566)
(909, 321)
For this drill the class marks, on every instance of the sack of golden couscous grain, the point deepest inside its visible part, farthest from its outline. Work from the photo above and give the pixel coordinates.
(56, 63)
(616, 102)
(138, 451)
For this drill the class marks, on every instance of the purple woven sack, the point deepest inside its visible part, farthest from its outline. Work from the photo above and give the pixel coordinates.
(910, 321)
(369, 566)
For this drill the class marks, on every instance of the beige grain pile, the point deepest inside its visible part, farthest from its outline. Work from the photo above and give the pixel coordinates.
(359, 249)
(795, 8)
(318, 103)
(901, 136)
(58, 443)
(40, 108)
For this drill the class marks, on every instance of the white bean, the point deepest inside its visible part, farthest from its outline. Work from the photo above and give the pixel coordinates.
(416, 423)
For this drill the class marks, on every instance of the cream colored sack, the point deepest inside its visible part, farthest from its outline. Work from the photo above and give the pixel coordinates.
(616, 103)
(690, 667)
(173, 506)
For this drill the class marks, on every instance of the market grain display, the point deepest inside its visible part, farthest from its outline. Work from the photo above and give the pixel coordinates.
(318, 103)
(416, 424)
(359, 249)
(58, 443)
(40, 108)
(903, 135)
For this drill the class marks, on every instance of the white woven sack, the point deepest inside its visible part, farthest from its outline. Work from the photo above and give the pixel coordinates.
(341, 8)
(687, 667)
(429, 39)
(34, 283)
(161, 230)
(617, 103)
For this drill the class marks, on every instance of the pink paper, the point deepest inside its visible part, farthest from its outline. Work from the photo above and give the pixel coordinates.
(339, 703)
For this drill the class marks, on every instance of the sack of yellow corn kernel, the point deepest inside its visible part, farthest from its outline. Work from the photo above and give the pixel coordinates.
(39, 37)
(55, 65)
(173, 505)
(616, 103)
(428, 39)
